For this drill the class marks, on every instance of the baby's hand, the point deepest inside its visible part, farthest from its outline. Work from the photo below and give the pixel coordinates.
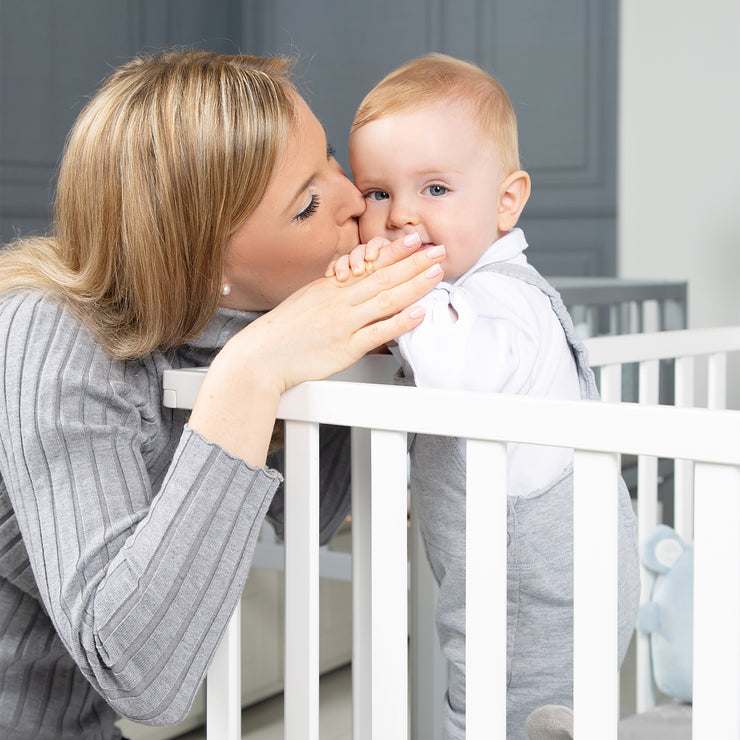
(358, 261)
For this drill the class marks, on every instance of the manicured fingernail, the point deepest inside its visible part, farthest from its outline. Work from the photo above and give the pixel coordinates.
(436, 251)
(411, 239)
(433, 271)
(417, 312)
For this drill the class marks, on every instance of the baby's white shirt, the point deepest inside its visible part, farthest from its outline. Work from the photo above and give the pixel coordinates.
(501, 336)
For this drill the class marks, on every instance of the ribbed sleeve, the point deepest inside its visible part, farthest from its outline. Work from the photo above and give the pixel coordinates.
(138, 533)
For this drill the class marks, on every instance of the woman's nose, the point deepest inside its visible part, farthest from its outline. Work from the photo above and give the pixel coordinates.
(352, 202)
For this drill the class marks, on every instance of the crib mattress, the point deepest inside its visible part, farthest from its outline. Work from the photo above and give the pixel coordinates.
(664, 722)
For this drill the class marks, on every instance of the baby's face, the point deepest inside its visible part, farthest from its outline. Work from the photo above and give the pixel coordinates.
(426, 171)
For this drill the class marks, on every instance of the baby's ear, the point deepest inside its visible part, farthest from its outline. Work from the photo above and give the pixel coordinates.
(513, 196)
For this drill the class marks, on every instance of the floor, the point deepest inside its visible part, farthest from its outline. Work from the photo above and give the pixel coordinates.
(264, 721)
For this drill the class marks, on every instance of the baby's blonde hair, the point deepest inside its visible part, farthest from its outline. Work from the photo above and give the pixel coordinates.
(165, 162)
(434, 77)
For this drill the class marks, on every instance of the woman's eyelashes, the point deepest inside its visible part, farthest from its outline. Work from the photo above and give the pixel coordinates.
(310, 209)
(313, 204)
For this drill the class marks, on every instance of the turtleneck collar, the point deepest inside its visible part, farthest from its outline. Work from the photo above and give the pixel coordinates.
(225, 324)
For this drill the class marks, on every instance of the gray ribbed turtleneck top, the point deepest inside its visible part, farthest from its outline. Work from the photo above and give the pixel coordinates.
(125, 537)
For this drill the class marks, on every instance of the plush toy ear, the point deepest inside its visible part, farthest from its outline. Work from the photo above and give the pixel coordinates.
(662, 548)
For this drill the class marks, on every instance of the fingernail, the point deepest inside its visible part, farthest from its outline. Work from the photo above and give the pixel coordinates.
(436, 251)
(411, 239)
(433, 271)
(417, 312)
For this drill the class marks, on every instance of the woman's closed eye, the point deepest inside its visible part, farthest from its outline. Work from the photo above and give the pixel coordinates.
(310, 209)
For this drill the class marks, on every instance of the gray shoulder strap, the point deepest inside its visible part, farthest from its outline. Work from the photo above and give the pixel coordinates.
(529, 275)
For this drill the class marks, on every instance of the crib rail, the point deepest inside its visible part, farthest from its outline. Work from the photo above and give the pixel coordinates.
(685, 350)
(598, 432)
(604, 305)
(380, 417)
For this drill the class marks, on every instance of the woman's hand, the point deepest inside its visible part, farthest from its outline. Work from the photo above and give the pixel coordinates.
(321, 329)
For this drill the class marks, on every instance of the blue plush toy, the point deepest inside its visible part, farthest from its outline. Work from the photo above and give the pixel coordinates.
(669, 615)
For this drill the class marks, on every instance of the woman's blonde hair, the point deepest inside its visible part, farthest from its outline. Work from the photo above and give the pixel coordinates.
(434, 77)
(168, 158)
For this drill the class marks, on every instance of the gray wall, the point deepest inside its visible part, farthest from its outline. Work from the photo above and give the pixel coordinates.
(557, 60)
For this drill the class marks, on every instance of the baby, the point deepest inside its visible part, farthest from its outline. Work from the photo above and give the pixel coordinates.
(434, 151)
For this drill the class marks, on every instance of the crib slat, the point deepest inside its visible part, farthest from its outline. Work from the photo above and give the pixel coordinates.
(223, 685)
(389, 579)
(595, 689)
(361, 587)
(684, 469)
(717, 391)
(301, 580)
(647, 520)
(716, 687)
(611, 383)
(485, 620)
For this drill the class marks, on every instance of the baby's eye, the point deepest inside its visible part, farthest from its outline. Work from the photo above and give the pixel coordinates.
(436, 190)
(377, 195)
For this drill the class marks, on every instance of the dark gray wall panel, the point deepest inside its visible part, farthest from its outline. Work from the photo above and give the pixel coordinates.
(53, 55)
(557, 60)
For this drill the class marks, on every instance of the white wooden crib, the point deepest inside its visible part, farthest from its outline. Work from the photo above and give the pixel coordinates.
(705, 441)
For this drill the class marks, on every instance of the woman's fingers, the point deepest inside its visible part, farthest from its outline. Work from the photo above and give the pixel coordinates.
(411, 269)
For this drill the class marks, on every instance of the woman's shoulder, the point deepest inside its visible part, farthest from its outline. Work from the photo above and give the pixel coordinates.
(34, 323)
(37, 332)
(46, 347)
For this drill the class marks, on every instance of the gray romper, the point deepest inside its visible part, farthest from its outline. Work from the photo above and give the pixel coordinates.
(539, 663)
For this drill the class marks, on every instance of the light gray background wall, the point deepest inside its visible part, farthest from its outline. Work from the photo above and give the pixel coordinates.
(679, 162)
(558, 61)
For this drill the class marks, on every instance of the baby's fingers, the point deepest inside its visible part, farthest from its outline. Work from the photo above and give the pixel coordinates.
(391, 311)
(358, 259)
(417, 272)
(342, 268)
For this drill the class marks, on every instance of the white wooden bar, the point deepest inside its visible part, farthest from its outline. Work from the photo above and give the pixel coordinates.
(389, 620)
(595, 687)
(485, 614)
(301, 580)
(224, 684)
(683, 470)
(647, 520)
(717, 389)
(716, 685)
(362, 587)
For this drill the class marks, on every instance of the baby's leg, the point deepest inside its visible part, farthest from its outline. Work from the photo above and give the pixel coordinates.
(540, 600)
(539, 611)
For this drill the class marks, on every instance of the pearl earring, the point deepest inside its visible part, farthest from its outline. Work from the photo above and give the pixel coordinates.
(226, 289)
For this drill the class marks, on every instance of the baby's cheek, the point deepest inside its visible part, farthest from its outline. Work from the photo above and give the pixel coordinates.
(366, 228)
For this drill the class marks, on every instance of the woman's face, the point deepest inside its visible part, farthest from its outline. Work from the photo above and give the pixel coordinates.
(307, 218)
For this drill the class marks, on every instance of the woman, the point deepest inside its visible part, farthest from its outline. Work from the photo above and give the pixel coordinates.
(197, 209)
